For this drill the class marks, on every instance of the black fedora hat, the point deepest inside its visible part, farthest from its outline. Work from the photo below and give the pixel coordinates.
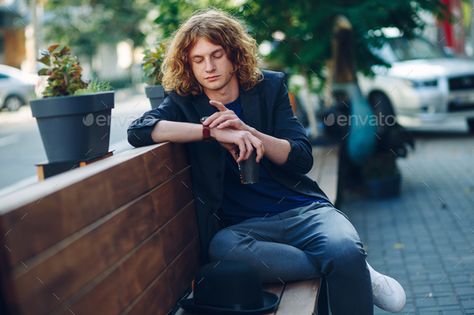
(229, 287)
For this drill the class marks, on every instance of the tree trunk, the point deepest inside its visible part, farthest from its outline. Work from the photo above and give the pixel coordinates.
(32, 36)
(343, 59)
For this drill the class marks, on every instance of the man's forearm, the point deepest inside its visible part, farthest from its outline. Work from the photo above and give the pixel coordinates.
(276, 150)
(176, 132)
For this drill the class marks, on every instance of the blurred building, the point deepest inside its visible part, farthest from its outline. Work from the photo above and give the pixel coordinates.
(458, 35)
(21, 39)
(13, 21)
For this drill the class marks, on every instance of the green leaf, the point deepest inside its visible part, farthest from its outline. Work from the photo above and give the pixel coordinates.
(43, 71)
(46, 60)
(53, 47)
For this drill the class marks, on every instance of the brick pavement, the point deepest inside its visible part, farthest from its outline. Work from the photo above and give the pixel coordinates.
(425, 238)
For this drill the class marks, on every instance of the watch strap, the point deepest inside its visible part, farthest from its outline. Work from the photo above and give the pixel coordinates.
(206, 133)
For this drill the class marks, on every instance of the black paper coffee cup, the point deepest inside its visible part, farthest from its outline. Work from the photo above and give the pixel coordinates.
(249, 169)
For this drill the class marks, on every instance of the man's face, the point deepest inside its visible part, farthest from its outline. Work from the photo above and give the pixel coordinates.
(210, 65)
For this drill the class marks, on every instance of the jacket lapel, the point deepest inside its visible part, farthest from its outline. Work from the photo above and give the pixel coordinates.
(202, 106)
(251, 108)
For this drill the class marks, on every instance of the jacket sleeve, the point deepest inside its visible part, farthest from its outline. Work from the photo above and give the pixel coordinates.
(287, 126)
(139, 131)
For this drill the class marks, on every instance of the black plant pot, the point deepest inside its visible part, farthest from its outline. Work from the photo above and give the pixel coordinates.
(74, 128)
(156, 94)
(384, 187)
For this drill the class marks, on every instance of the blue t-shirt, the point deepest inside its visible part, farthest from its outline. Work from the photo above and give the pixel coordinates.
(265, 198)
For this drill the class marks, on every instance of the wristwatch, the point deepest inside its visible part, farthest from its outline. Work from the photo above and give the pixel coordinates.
(206, 131)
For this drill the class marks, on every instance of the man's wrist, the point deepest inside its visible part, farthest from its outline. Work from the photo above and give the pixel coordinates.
(253, 131)
(206, 133)
(212, 132)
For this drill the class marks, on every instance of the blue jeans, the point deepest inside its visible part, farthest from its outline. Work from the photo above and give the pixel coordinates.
(303, 243)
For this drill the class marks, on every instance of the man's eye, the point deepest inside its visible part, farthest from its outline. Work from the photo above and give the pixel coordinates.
(218, 54)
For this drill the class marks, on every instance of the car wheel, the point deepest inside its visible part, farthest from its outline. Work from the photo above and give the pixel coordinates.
(470, 125)
(13, 103)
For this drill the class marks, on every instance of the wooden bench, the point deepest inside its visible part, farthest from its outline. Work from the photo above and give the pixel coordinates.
(115, 237)
(325, 170)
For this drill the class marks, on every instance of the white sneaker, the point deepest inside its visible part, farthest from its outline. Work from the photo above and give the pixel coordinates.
(388, 294)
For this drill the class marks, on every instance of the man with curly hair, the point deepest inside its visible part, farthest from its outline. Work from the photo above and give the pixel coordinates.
(284, 225)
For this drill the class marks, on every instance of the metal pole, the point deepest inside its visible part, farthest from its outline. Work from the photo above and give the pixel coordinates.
(471, 29)
(31, 38)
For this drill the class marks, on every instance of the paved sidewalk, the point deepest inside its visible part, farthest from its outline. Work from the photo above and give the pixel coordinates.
(425, 238)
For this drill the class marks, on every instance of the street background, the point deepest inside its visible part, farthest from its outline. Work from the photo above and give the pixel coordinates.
(424, 237)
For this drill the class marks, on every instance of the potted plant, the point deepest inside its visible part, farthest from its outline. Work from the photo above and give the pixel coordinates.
(152, 60)
(73, 116)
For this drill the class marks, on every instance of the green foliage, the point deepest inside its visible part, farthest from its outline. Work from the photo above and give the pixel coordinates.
(84, 25)
(152, 61)
(95, 86)
(307, 28)
(306, 25)
(63, 71)
(173, 12)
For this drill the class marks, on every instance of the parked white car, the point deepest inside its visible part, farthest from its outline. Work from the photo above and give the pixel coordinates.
(424, 86)
(16, 87)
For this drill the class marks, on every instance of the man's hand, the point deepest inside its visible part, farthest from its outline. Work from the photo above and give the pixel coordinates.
(236, 137)
(239, 143)
(224, 118)
(232, 148)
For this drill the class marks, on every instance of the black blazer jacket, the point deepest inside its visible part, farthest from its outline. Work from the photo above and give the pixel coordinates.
(266, 107)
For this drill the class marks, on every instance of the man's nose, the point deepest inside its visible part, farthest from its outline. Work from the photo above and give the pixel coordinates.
(210, 66)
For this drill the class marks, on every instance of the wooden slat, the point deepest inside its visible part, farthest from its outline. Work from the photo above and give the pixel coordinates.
(126, 281)
(172, 197)
(76, 199)
(37, 218)
(35, 192)
(179, 232)
(181, 251)
(300, 296)
(7, 295)
(160, 168)
(122, 284)
(325, 170)
(162, 295)
(79, 261)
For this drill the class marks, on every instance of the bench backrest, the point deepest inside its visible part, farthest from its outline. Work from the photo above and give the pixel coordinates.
(116, 237)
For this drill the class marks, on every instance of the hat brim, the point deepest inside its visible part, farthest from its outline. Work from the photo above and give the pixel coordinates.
(270, 303)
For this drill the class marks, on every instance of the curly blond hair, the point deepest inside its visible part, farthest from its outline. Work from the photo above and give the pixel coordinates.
(221, 29)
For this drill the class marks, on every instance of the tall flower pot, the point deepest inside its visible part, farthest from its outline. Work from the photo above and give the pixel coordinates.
(156, 94)
(74, 128)
(384, 187)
